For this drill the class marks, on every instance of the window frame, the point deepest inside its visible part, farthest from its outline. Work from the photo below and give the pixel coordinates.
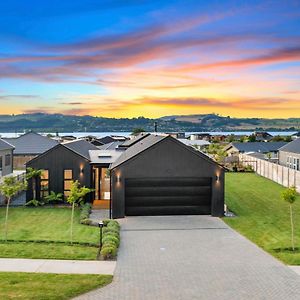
(67, 180)
(44, 192)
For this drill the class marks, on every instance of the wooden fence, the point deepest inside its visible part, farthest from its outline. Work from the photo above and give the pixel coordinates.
(283, 175)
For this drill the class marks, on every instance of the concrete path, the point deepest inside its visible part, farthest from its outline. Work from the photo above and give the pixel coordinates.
(193, 257)
(57, 266)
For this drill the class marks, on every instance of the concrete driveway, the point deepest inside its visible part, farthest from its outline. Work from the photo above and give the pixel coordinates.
(193, 257)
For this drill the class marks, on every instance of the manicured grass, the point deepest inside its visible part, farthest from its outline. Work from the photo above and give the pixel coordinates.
(46, 224)
(261, 214)
(36, 286)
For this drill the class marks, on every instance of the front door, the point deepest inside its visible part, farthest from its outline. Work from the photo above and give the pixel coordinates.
(102, 187)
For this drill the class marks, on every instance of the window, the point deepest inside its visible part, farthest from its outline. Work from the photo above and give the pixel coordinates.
(0, 163)
(44, 184)
(68, 177)
(7, 160)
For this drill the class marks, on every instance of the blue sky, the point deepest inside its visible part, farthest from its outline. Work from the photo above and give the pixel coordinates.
(151, 58)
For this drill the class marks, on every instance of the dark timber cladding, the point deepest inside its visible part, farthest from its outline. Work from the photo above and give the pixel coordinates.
(160, 176)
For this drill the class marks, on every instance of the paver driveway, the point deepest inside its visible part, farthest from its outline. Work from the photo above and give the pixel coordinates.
(193, 257)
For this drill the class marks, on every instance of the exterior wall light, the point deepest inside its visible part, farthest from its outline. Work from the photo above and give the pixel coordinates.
(118, 178)
(81, 170)
(217, 178)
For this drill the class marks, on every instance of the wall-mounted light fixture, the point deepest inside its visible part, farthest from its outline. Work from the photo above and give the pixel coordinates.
(81, 170)
(118, 178)
(217, 178)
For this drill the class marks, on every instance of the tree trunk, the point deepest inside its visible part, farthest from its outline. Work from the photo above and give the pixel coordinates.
(6, 219)
(34, 188)
(292, 227)
(72, 217)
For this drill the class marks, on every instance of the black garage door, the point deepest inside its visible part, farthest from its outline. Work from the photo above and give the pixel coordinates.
(167, 196)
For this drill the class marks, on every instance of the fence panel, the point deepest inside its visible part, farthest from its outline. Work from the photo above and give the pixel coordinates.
(283, 175)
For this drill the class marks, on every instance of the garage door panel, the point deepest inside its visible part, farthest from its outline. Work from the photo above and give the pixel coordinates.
(168, 190)
(168, 210)
(166, 200)
(171, 181)
(167, 196)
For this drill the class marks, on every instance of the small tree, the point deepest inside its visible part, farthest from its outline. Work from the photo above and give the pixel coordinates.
(289, 195)
(34, 175)
(76, 197)
(9, 188)
(137, 131)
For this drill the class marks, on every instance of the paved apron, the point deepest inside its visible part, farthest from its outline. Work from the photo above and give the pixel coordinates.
(193, 257)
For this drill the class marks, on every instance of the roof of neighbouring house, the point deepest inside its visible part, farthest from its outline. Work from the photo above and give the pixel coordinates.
(5, 145)
(106, 140)
(263, 147)
(293, 146)
(138, 147)
(134, 140)
(82, 147)
(31, 143)
(194, 142)
(104, 156)
(111, 146)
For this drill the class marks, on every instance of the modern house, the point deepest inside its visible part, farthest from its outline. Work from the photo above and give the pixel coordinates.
(28, 146)
(264, 150)
(200, 136)
(262, 136)
(289, 155)
(6, 158)
(154, 175)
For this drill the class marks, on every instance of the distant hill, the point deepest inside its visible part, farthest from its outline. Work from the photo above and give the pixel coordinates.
(210, 122)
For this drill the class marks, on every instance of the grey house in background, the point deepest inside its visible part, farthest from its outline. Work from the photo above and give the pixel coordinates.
(289, 155)
(159, 175)
(265, 150)
(6, 158)
(28, 146)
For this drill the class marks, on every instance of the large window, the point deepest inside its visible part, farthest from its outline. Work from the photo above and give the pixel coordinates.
(0, 163)
(68, 177)
(44, 184)
(7, 160)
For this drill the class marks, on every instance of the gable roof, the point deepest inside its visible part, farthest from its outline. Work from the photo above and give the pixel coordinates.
(106, 140)
(263, 147)
(31, 143)
(81, 147)
(150, 141)
(5, 145)
(293, 146)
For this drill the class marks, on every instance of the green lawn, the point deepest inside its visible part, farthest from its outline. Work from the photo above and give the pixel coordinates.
(34, 286)
(261, 214)
(46, 224)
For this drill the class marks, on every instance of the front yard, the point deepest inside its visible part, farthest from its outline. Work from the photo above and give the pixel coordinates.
(37, 227)
(262, 216)
(29, 286)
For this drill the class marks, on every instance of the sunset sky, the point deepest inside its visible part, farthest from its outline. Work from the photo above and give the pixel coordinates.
(129, 58)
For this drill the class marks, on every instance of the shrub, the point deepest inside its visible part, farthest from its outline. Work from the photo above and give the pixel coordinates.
(85, 214)
(111, 230)
(108, 252)
(111, 239)
(113, 224)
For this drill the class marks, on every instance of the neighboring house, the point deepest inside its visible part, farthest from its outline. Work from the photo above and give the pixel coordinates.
(28, 146)
(289, 155)
(200, 136)
(262, 136)
(267, 150)
(198, 144)
(155, 175)
(6, 158)
(295, 135)
(176, 135)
